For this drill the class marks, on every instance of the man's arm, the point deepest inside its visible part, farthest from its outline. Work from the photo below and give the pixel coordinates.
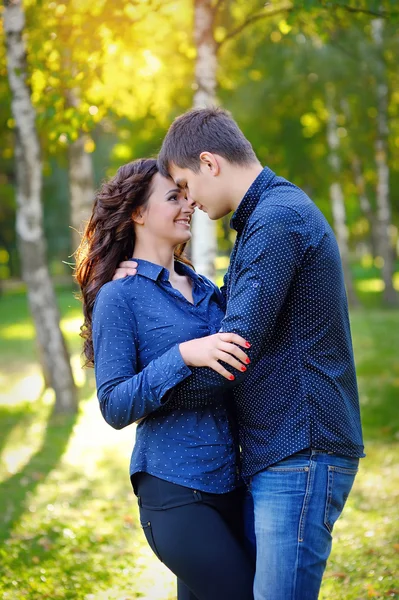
(127, 394)
(268, 258)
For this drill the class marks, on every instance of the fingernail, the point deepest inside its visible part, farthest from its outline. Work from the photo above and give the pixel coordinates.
(231, 377)
(248, 345)
(247, 360)
(243, 368)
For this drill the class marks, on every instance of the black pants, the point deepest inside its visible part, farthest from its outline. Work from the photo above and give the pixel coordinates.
(200, 538)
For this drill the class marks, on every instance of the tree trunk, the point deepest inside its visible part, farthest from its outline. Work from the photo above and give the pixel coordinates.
(204, 242)
(365, 204)
(384, 213)
(81, 179)
(29, 218)
(337, 196)
(81, 187)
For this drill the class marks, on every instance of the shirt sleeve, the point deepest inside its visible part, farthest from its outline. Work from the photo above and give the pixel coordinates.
(125, 392)
(270, 251)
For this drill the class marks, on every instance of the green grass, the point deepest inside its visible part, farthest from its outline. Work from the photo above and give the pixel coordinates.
(68, 519)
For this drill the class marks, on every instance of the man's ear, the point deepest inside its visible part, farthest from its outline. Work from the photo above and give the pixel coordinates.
(210, 162)
(137, 217)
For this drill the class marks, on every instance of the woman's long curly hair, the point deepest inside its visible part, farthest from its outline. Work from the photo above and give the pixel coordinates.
(109, 236)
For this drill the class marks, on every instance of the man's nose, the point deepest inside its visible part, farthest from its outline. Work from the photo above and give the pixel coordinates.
(190, 201)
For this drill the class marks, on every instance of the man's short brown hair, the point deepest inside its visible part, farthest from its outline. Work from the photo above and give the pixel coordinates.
(204, 130)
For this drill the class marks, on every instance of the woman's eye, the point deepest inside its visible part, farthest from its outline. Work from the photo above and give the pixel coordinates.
(175, 198)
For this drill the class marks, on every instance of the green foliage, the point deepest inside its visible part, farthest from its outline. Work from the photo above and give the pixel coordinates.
(122, 71)
(273, 77)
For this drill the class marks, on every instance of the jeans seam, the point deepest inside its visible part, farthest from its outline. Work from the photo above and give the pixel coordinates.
(298, 549)
(305, 506)
(288, 469)
(332, 469)
(148, 527)
(345, 470)
(330, 482)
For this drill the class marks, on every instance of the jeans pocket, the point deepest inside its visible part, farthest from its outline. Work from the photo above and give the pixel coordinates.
(298, 462)
(287, 469)
(339, 484)
(147, 528)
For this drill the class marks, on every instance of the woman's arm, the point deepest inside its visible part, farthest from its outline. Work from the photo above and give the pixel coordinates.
(127, 394)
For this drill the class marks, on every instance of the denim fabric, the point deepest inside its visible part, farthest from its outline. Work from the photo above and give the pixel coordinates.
(296, 504)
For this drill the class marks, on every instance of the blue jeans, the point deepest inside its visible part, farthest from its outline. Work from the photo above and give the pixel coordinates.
(296, 503)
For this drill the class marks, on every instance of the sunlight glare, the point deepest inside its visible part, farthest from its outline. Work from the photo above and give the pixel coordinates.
(25, 389)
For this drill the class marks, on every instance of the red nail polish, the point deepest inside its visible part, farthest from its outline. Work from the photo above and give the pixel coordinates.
(247, 360)
(247, 344)
(231, 377)
(243, 368)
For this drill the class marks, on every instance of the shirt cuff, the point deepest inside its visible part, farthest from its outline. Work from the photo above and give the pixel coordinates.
(176, 372)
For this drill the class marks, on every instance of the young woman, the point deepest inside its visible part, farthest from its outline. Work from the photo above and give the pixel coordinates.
(139, 334)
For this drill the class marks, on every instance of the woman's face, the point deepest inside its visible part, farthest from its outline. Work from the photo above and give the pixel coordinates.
(167, 215)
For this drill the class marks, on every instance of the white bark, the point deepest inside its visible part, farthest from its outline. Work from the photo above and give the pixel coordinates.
(29, 218)
(365, 203)
(81, 187)
(336, 194)
(384, 213)
(204, 242)
(81, 180)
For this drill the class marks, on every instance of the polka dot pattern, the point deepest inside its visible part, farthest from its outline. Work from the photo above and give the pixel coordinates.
(285, 294)
(138, 323)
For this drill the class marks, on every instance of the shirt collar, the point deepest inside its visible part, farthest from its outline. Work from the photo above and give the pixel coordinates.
(155, 272)
(151, 270)
(251, 199)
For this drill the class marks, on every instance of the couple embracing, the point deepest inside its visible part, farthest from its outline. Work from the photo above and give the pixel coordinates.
(249, 436)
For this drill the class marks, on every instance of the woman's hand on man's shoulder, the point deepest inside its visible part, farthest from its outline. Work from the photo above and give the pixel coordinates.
(125, 269)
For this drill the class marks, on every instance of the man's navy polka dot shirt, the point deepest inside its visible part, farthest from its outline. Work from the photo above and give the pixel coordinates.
(285, 294)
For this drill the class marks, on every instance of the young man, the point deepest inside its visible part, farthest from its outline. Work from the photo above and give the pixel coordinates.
(297, 404)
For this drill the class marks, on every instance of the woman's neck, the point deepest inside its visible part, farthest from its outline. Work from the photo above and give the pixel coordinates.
(158, 255)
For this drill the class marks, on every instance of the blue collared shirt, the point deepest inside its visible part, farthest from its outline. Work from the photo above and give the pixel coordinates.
(138, 323)
(285, 294)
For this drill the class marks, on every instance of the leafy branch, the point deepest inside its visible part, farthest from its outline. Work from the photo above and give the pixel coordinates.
(264, 14)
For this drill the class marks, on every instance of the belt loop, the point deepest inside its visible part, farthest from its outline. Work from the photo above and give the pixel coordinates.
(197, 496)
(139, 501)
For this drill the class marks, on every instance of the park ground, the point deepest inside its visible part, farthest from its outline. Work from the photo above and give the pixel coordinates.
(69, 524)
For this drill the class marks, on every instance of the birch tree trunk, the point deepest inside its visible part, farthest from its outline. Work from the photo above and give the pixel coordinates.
(81, 187)
(81, 181)
(29, 217)
(336, 194)
(365, 204)
(384, 212)
(204, 242)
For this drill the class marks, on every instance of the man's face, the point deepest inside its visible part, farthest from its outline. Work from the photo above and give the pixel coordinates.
(203, 188)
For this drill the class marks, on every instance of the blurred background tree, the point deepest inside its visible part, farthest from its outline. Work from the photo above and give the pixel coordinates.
(107, 78)
(314, 85)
